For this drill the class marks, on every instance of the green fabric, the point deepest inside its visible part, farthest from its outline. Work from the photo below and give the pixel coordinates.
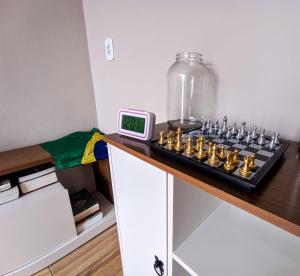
(68, 151)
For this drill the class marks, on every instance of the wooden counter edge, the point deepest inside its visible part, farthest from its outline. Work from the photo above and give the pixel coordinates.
(263, 214)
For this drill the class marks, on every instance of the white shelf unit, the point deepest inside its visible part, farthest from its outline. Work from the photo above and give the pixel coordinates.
(108, 220)
(225, 240)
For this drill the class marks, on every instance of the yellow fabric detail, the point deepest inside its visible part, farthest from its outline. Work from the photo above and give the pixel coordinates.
(88, 156)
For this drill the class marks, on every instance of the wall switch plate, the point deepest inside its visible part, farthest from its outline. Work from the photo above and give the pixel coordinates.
(109, 49)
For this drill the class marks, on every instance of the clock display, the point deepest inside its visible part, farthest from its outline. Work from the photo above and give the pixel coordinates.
(132, 123)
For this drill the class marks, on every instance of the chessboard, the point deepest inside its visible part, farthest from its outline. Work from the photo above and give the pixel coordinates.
(264, 154)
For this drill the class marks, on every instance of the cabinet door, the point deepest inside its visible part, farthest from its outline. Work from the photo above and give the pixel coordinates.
(140, 194)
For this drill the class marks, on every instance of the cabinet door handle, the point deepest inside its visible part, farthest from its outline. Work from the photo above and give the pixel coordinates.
(158, 266)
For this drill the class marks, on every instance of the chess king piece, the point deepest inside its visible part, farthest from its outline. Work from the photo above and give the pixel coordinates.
(253, 133)
(209, 150)
(213, 160)
(252, 164)
(248, 138)
(272, 144)
(243, 129)
(235, 157)
(222, 154)
(234, 129)
(201, 153)
(261, 139)
(170, 140)
(162, 140)
(189, 150)
(245, 169)
(229, 163)
(179, 145)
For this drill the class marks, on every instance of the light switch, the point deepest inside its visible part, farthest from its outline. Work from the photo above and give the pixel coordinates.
(109, 49)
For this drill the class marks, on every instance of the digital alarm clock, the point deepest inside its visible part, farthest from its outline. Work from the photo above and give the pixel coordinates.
(137, 124)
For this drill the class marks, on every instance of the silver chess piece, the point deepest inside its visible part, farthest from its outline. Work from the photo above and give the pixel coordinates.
(272, 144)
(211, 129)
(203, 128)
(234, 130)
(228, 134)
(276, 140)
(239, 135)
(216, 127)
(261, 139)
(248, 138)
(243, 129)
(220, 132)
(253, 133)
(224, 126)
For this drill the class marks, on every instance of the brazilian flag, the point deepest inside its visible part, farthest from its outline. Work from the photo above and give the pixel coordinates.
(77, 148)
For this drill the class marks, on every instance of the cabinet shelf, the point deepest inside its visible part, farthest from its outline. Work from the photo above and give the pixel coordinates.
(231, 241)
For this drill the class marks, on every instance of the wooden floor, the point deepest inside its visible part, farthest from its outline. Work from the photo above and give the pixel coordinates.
(99, 256)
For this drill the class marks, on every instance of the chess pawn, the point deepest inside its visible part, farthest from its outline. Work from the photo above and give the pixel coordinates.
(197, 144)
(224, 126)
(228, 134)
(239, 135)
(216, 127)
(248, 138)
(222, 154)
(211, 129)
(253, 133)
(235, 157)
(162, 140)
(272, 144)
(179, 145)
(234, 129)
(213, 160)
(276, 134)
(189, 150)
(201, 154)
(170, 140)
(252, 164)
(210, 147)
(220, 132)
(261, 140)
(245, 170)
(229, 163)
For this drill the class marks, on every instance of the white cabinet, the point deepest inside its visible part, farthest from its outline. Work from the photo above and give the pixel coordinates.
(140, 193)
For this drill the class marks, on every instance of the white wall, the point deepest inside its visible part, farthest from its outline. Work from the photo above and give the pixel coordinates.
(45, 80)
(253, 46)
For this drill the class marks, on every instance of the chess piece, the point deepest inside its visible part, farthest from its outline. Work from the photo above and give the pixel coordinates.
(272, 144)
(162, 140)
(261, 139)
(252, 164)
(254, 134)
(179, 145)
(243, 129)
(245, 169)
(197, 144)
(229, 163)
(203, 128)
(170, 140)
(235, 157)
(224, 126)
(239, 135)
(216, 127)
(208, 124)
(276, 134)
(211, 129)
(248, 138)
(189, 150)
(209, 150)
(228, 134)
(201, 154)
(222, 154)
(213, 159)
(234, 130)
(220, 132)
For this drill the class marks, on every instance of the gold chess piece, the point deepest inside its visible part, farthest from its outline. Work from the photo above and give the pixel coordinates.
(189, 150)
(162, 140)
(222, 154)
(245, 170)
(229, 164)
(236, 159)
(170, 140)
(252, 164)
(213, 160)
(209, 150)
(197, 147)
(179, 145)
(201, 154)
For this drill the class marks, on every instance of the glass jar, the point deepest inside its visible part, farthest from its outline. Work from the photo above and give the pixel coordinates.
(188, 91)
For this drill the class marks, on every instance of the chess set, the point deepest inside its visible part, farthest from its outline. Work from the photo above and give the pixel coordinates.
(234, 154)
